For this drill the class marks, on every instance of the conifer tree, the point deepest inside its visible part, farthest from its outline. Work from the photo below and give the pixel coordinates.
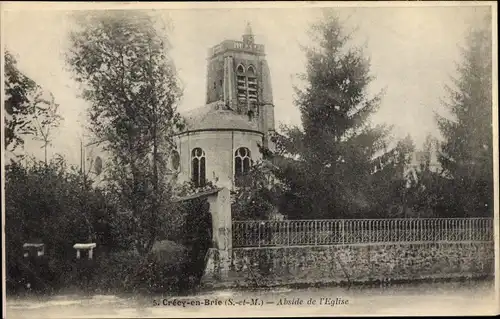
(326, 164)
(466, 155)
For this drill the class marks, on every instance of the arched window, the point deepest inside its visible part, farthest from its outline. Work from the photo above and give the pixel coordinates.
(246, 85)
(251, 70)
(175, 160)
(198, 167)
(241, 84)
(251, 85)
(98, 165)
(242, 161)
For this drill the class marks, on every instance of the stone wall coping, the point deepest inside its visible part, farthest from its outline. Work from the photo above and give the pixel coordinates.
(396, 243)
(197, 195)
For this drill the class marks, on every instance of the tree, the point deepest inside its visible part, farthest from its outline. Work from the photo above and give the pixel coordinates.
(42, 204)
(326, 164)
(45, 125)
(425, 184)
(27, 110)
(121, 60)
(466, 155)
(388, 183)
(259, 193)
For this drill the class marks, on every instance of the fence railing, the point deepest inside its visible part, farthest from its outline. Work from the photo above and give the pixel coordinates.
(358, 231)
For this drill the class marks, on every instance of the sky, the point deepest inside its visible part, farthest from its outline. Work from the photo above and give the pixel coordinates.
(413, 51)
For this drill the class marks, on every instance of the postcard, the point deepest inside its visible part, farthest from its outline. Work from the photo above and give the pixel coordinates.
(246, 159)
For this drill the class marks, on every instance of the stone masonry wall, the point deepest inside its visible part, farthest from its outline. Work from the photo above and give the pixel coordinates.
(361, 263)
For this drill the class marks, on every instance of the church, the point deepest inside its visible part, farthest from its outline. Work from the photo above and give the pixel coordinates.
(221, 140)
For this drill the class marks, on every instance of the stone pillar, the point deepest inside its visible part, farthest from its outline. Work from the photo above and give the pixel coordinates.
(220, 209)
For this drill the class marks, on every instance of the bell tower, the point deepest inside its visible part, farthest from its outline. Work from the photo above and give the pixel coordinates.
(238, 77)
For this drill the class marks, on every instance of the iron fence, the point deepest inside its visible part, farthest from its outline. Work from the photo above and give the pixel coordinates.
(359, 231)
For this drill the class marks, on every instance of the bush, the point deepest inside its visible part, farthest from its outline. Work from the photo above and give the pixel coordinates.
(127, 271)
(46, 203)
(51, 204)
(111, 275)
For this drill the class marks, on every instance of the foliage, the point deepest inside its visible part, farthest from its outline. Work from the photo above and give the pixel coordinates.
(467, 151)
(44, 127)
(389, 182)
(325, 165)
(127, 271)
(423, 183)
(28, 111)
(196, 237)
(54, 204)
(48, 203)
(259, 195)
(162, 272)
(121, 60)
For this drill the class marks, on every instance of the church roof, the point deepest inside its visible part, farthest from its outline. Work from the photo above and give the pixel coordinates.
(205, 118)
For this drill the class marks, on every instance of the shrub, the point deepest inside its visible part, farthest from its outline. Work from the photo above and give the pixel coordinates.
(127, 271)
